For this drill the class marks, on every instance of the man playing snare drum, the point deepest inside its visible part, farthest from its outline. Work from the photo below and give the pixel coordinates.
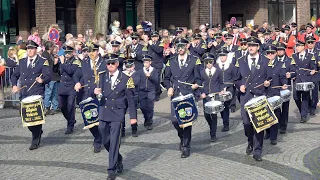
(32, 69)
(184, 68)
(252, 71)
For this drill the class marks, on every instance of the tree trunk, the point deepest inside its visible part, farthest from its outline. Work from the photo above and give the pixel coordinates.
(101, 16)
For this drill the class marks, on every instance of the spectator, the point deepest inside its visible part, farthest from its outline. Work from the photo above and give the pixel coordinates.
(130, 29)
(99, 37)
(11, 63)
(22, 49)
(68, 36)
(265, 25)
(165, 33)
(255, 30)
(139, 29)
(203, 28)
(18, 38)
(80, 38)
(35, 36)
(51, 90)
(89, 35)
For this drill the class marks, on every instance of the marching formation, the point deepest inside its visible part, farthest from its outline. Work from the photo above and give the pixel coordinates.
(221, 68)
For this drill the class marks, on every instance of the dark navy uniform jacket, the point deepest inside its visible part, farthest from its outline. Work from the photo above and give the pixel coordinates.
(213, 84)
(199, 50)
(238, 54)
(234, 48)
(228, 77)
(117, 99)
(148, 84)
(28, 76)
(67, 71)
(285, 68)
(138, 59)
(214, 49)
(136, 79)
(85, 75)
(274, 71)
(188, 73)
(308, 62)
(156, 51)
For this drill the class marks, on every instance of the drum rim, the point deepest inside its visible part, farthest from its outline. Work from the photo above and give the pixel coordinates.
(220, 103)
(260, 98)
(278, 98)
(26, 99)
(179, 98)
(86, 100)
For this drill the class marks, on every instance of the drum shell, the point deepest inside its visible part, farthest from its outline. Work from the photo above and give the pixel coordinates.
(305, 86)
(185, 109)
(224, 97)
(32, 113)
(285, 95)
(275, 104)
(213, 109)
(90, 112)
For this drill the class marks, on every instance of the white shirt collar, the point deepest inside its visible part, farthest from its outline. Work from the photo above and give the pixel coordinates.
(150, 69)
(114, 77)
(213, 70)
(185, 56)
(33, 59)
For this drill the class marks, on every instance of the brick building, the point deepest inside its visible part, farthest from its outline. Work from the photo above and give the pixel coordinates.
(75, 16)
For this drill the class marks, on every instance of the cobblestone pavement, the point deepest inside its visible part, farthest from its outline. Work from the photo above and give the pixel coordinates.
(155, 155)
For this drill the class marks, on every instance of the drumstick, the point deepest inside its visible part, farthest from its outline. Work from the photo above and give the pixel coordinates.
(84, 86)
(247, 81)
(213, 94)
(188, 83)
(13, 93)
(307, 69)
(279, 86)
(261, 84)
(228, 83)
(33, 83)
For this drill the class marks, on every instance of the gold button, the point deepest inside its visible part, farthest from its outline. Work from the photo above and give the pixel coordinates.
(112, 99)
(105, 107)
(88, 87)
(88, 80)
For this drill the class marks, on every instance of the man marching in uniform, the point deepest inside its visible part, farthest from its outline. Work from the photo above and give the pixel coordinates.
(212, 81)
(85, 77)
(136, 48)
(67, 94)
(274, 73)
(302, 59)
(182, 67)
(242, 50)
(197, 46)
(229, 74)
(228, 43)
(32, 69)
(252, 71)
(116, 50)
(282, 57)
(117, 90)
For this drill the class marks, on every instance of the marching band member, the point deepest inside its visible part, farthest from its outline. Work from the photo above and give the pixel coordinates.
(197, 47)
(242, 50)
(29, 70)
(212, 81)
(217, 44)
(252, 72)
(85, 77)
(228, 43)
(116, 50)
(136, 48)
(117, 91)
(229, 74)
(302, 59)
(282, 57)
(67, 94)
(309, 33)
(183, 67)
(267, 40)
(274, 73)
(310, 40)
(277, 35)
(155, 49)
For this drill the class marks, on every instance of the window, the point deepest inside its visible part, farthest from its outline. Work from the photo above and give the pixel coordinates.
(282, 12)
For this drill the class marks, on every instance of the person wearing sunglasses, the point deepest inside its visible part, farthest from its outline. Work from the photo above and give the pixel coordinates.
(217, 44)
(84, 79)
(252, 71)
(267, 41)
(136, 51)
(182, 67)
(118, 94)
(274, 71)
(310, 40)
(67, 94)
(32, 69)
(212, 81)
(302, 59)
(282, 57)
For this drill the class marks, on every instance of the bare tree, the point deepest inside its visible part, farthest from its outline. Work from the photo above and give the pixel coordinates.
(101, 16)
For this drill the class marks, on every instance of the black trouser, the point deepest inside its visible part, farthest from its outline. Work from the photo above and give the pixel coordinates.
(212, 122)
(67, 106)
(302, 99)
(284, 115)
(158, 87)
(36, 133)
(273, 130)
(97, 141)
(315, 98)
(184, 134)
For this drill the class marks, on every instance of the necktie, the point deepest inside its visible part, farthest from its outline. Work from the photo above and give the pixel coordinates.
(181, 63)
(301, 57)
(147, 70)
(253, 65)
(110, 78)
(243, 53)
(222, 67)
(210, 74)
(234, 40)
(229, 48)
(30, 63)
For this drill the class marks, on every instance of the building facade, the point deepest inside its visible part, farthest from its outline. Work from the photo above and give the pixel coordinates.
(75, 16)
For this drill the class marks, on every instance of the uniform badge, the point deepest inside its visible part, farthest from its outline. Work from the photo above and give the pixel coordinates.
(188, 111)
(182, 113)
(258, 66)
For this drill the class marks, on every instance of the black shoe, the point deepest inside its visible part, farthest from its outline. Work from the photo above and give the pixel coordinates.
(213, 138)
(134, 133)
(283, 131)
(97, 150)
(312, 113)
(249, 149)
(149, 127)
(33, 146)
(225, 129)
(111, 177)
(40, 138)
(233, 110)
(68, 131)
(119, 167)
(185, 152)
(257, 157)
(274, 142)
(180, 147)
(303, 120)
(267, 136)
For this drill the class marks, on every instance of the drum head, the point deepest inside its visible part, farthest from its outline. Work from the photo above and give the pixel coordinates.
(181, 98)
(212, 103)
(274, 98)
(86, 100)
(254, 100)
(284, 92)
(32, 98)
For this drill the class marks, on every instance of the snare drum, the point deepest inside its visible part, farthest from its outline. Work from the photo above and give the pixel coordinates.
(305, 86)
(32, 111)
(213, 107)
(185, 110)
(275, 102)
(227, 96)
(90, 112)
(285, 95)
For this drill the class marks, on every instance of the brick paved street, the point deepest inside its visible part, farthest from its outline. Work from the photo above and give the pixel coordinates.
(155, 155)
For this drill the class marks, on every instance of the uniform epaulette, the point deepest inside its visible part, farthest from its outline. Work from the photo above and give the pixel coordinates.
(270, 64)
(239, 48)
(168, 63)
(198, 62)
(313, 58)
(161, 44)
(237, 63)
(145, 48)
(130, 83)
(293, 62)
(121, 55)
(234, 55)
(204, 46)
(77, 62)
(46, 63)
(318, 63)
(284, 66)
